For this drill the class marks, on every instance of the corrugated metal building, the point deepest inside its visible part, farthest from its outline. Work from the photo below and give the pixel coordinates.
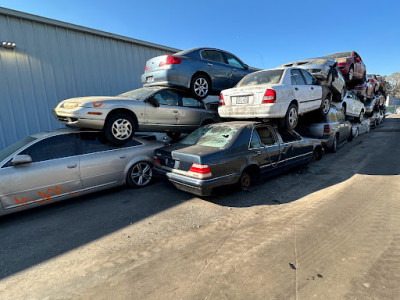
(53, 61)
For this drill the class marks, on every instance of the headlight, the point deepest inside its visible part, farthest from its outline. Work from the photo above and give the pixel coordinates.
(69, 105)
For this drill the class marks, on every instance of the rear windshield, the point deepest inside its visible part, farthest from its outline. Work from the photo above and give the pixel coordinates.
(217, 136)
(6, 152)
(339, 54)
(139, 93)
(263, 77)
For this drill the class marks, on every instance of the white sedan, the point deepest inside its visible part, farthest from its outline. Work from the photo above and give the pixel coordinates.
(351, 106)
(281, 93)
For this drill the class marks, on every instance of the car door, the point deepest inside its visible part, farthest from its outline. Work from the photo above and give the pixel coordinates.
(165, 116)
(344, 128)
(300, 89)
(271, 148)
(260, 154)
(218, 69)
(315, 91)
(52, 175)
(238, 70)
(358, 68)
(102, 163)
(191, 113)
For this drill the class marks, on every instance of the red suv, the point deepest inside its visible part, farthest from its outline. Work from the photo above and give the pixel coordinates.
(351, 65)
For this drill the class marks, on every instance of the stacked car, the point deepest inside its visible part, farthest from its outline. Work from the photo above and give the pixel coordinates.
(245, 135)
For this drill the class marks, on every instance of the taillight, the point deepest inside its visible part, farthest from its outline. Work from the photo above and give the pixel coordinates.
(156, 160)
(199, 171)
(326, 129)
(341, 64)
(371, 80)
(170, 60)
(146, 68)
(269, 96)
(221, 101)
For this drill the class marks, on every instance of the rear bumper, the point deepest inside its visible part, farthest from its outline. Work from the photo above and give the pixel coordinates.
(165, 77)
(199, 187)
(264, 111)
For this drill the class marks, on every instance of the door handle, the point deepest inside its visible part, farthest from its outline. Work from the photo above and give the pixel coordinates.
(210, 65)
(296, 89)
(71, 166)
(312, 88)
(175, 111)
(258, 152)
(122, 156)
(234, 70)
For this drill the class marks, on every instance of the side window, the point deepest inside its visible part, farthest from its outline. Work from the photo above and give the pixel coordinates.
(266, 136)
(167, 97)
(190, 102)
(59, 146)
(309, 78)
(92, 142)
(232, 61)
(288, 136)
(213, 56)
(296, 77)
(255, 141)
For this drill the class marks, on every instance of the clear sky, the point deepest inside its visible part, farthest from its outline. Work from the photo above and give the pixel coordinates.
(263, 34)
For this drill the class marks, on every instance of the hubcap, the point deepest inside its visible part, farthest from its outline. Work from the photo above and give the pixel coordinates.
(245, 182)
(121, 129)
(141, 174)
(351, 71)
(326, 106)
(293, 117)
(201, 87)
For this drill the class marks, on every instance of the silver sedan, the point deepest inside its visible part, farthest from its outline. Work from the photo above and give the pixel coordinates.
(158, 109)
(66, 163)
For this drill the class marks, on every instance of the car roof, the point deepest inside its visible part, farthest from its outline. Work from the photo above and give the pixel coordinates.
(240, 123)
(47, 134)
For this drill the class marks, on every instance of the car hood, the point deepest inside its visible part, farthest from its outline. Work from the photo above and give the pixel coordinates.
(93, 101)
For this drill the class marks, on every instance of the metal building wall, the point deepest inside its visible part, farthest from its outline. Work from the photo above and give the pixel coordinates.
(53, 61)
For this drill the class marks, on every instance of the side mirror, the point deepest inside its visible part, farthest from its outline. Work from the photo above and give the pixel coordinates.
(20, 160)
(153, 101)
(246, 67)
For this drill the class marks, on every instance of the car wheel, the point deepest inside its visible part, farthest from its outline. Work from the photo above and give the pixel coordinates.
(140, 174)
(360, 117)
(174, 135)
(364, 78)
(119, 128)
(245, 181)
(317, 154)
(344, 109)
(291, 118)
(325, 106)
(335, 144)
(200, 86)
(350, 76)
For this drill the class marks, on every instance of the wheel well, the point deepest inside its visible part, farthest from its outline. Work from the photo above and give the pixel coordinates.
(254, 172)
(294, 101)
(206, 122)
(123, 111)
(202, 73)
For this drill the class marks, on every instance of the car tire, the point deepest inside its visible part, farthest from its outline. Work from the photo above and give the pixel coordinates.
(119, 128)
(140, 174)
(360, 117)
(291, 118)
(335, 144)
(325, 106)
(364, 78)
(244, 181)
(317, 154)
(344, 109)
(350, 75)
(200, 86)
(174, 135)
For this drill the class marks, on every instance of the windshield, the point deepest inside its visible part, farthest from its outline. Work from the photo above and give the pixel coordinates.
(339, 54)
(139, 93)
(263, 77)
(217, 136)
(14, 147)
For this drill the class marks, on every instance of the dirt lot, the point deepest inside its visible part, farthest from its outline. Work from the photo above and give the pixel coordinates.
(328, 231)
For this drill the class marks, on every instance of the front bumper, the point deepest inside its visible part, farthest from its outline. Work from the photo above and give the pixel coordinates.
(78, 118)
(199, 187)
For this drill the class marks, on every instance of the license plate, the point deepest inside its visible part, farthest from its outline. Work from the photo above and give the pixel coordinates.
(149, 79)
(242, 99)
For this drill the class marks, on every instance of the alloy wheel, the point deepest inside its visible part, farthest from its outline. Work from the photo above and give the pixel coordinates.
(293, 117)
(141, 173)
(121, 129)
(201, 87)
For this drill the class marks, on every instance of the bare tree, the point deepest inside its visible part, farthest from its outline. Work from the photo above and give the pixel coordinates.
(392, 83)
